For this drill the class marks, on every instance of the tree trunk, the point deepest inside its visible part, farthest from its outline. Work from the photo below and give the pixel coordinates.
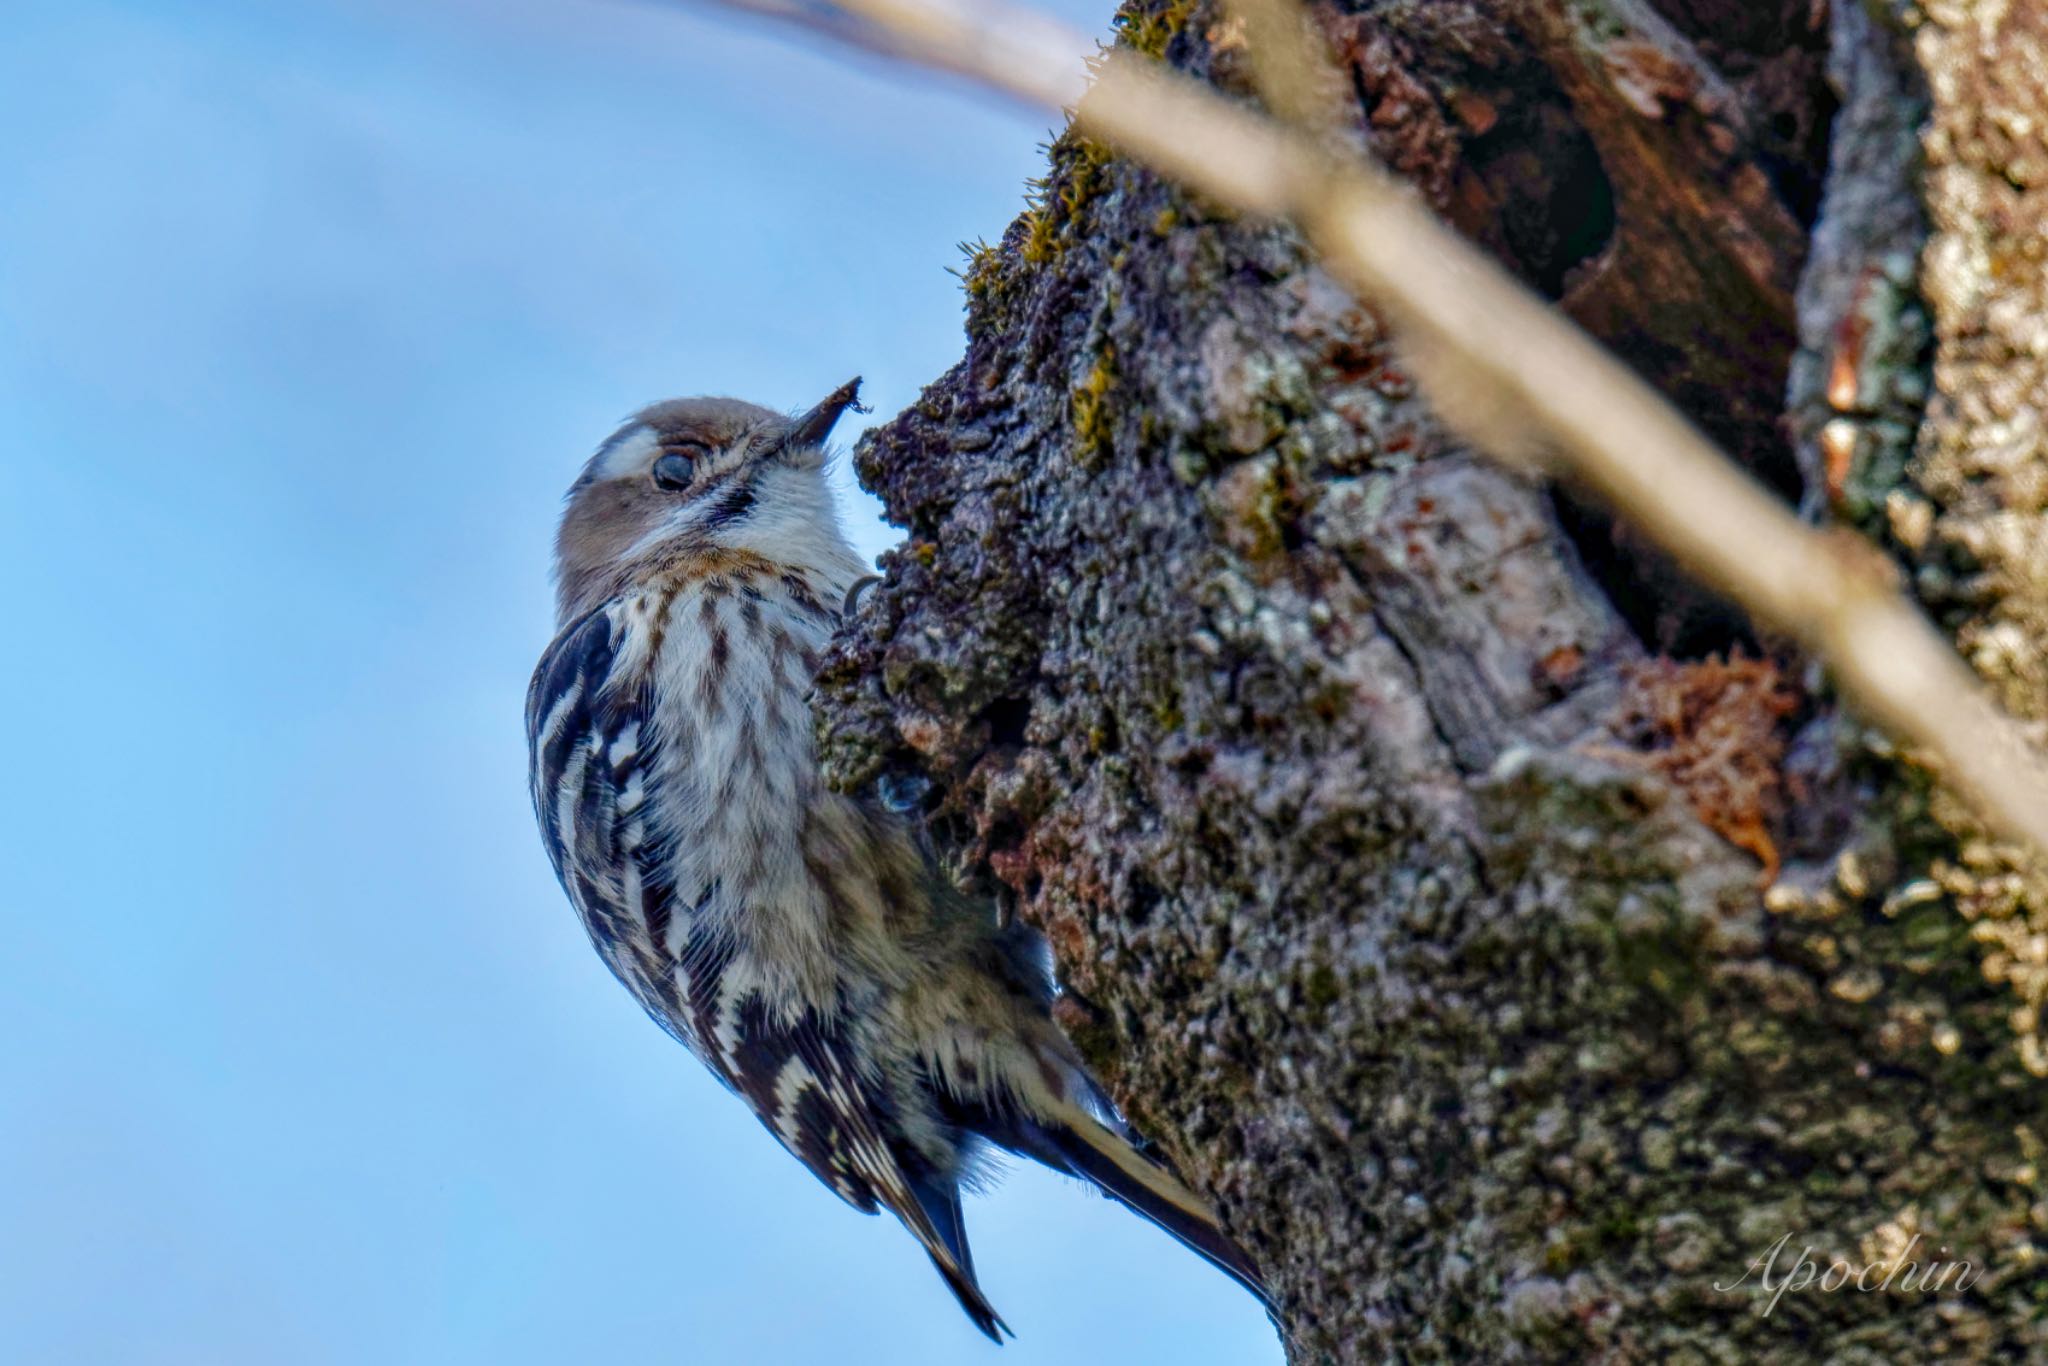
(1516, 946)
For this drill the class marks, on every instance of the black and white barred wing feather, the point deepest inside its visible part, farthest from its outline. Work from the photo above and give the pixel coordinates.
(806, 1084)
(591, 742)
(588, 740)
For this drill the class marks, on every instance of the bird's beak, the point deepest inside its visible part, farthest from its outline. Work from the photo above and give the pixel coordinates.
(813, 427)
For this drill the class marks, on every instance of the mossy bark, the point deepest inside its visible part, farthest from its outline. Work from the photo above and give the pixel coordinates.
(1387, 864)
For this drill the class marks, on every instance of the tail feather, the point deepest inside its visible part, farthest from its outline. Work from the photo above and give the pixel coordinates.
(1075, 1142)
(952, 1257)
(979, 1310)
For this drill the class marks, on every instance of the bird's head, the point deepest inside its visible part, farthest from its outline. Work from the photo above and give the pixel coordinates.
(697, 477)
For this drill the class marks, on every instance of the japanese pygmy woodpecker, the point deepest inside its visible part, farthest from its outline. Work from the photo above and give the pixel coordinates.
(887, 1028)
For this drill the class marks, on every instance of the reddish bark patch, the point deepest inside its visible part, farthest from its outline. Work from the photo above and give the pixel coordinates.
(1714, 729)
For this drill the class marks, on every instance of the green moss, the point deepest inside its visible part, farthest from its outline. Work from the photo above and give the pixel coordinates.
(1323, 988)
(1056, 203)
(1092, 422)
(1078, 173)
(1149, 27)
(983, 274)
(1658, 963)
(1040, 236)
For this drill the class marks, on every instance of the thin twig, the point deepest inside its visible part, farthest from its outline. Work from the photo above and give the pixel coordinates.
(1296, 79)
(1034, 59)
(1511, 373)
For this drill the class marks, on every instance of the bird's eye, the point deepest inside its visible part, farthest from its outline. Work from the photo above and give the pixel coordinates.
(674, 471)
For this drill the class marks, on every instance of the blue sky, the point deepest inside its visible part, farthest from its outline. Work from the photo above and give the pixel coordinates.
(308, 313)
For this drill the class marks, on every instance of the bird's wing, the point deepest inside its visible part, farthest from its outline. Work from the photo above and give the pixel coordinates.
(800, 1074)
(590, 749)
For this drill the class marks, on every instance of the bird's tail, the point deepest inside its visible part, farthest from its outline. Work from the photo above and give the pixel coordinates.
(944, 1236)
(1071, 1140)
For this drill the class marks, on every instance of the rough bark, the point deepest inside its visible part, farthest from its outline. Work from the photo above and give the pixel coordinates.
(1511, 968)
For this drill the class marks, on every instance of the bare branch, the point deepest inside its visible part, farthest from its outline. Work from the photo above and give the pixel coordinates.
(1296, 80)
(1514, 375)
(1033, 59)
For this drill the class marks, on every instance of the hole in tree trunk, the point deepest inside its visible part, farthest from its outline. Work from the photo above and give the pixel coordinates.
(1551, 203)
